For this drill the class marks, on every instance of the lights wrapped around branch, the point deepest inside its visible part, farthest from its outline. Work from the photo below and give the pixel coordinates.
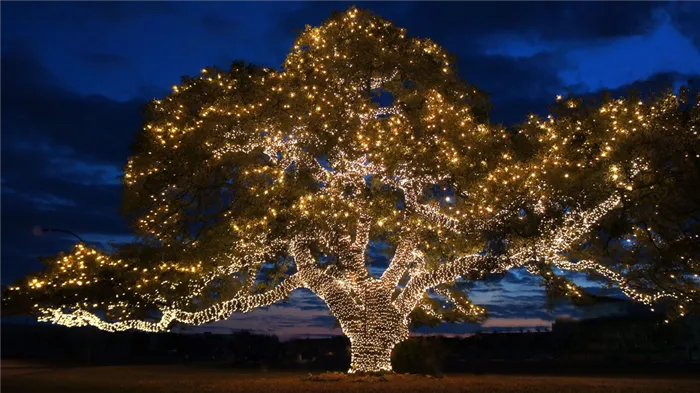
(239, 170)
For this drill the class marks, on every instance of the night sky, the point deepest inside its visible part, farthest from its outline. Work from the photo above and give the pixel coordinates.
(76, 75)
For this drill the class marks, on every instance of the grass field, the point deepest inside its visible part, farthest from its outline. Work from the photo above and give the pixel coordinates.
(176, 379)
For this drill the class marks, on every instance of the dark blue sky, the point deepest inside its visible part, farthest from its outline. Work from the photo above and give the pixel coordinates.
(75, 76)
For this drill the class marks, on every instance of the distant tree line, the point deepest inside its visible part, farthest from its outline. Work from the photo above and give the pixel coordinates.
(597, 346)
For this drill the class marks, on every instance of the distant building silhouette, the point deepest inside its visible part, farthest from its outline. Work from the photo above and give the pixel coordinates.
(619, 329)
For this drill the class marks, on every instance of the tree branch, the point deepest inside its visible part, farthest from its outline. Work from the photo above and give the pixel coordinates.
(574, 227)
(400, 262)
(627, 289)
(420, 283)
(217, 312)
(358, 269)
(329, 289)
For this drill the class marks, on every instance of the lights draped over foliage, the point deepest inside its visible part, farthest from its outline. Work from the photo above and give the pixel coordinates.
(249, 183)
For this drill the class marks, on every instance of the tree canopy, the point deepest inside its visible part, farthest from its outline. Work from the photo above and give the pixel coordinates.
(250, 182)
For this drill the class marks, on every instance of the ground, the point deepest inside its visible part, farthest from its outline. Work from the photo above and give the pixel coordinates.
(176, 379)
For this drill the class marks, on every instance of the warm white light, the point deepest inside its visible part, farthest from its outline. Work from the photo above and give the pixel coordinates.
(376, 175)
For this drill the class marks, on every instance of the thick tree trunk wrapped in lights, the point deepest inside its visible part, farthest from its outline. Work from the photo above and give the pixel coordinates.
(250, 183)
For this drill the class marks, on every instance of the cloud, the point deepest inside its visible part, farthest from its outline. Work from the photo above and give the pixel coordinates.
(61, 155)
(519, 276)
(105, 60)
(685, 15)
(106, 239)
(626, 60)
(285, 322)
(516, 323)
(304, 299)
(36, 106)
(77, 171)
(520, 80)
(656, 83)
(549, 20)
(472, 24)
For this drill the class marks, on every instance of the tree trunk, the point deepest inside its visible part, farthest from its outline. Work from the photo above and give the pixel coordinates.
(374, 336)
(370, 355)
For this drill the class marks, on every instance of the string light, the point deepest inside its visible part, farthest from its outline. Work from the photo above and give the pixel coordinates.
(301, 170)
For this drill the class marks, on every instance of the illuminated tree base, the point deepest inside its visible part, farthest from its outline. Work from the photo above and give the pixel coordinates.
(248, 184)
(371, 359)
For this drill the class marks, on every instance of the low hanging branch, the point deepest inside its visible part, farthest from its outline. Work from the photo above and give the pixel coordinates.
(249, 183)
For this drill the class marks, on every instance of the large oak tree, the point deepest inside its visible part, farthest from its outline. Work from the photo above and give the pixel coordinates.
(249, 183)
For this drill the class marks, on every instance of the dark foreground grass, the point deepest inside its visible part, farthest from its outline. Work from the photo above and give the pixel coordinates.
(181, 379)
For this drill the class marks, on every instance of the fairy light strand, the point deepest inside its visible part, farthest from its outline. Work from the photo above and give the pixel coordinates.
(304, 171)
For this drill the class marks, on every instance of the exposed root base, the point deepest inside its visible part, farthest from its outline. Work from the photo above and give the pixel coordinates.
(380, 376)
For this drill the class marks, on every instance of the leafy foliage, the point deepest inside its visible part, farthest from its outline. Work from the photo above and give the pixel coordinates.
(250, 182)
